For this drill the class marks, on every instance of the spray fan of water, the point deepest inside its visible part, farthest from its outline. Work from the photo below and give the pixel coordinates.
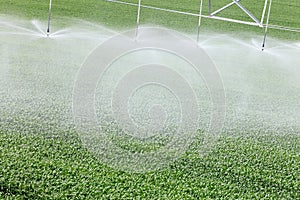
(37, 76)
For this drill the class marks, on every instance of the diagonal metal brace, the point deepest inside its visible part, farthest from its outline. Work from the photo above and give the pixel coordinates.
(237, 2)
(246, 11)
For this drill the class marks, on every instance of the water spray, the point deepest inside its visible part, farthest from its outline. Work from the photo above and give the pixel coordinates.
(49, 16)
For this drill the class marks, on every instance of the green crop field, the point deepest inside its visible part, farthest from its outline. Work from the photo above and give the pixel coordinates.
(41, 156)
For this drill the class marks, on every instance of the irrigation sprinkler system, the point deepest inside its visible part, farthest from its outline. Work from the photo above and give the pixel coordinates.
(211, 15)
(266, 27)
(138, 18)
(49, 18)
(199, 20)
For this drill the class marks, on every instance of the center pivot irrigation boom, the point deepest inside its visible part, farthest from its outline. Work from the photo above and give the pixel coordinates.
(213, 14)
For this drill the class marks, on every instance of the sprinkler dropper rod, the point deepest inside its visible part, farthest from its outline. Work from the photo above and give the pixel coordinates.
(138, 18)
(267, 25)
(49, 18)
(199, 20)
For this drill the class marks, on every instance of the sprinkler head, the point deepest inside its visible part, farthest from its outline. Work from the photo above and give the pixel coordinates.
(48, 31)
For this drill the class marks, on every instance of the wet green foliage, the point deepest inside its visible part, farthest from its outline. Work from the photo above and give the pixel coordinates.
(256, 167)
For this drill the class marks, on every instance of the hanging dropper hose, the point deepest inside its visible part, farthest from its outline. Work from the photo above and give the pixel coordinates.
(49, 18)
